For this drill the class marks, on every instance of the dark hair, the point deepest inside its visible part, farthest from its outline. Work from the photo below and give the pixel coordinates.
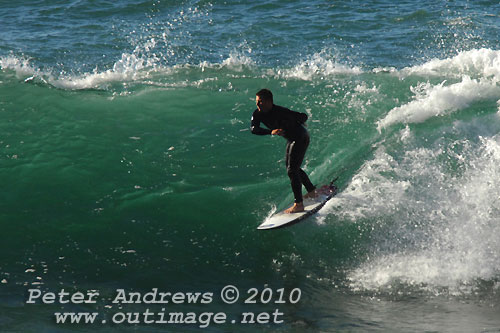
(265, 94)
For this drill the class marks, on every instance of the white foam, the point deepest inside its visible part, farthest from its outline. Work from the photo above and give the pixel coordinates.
(369, 192)
(361, 99)
(20, 65)
(438, 100)
(319, 65)
(129, 68)
(480, 63)
(238, 61)
(139, 66)
(432, 229)
(477, 72)
(427, 270)
(144, 66)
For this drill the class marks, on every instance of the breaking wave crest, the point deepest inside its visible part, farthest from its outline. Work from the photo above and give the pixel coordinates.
(469, 77)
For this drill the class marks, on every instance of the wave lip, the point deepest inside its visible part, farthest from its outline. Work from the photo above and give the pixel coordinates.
(140, 66)
(474, 63)
(479, 72)
(131, 67)
(440, 100)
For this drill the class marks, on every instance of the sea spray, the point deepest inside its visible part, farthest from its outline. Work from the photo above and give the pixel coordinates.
(434, 214)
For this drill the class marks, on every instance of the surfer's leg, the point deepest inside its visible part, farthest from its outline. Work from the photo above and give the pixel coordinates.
(294, 173)
(293, 162)
(287, 154)
(296, 151)
(311, 189)
(304, 179)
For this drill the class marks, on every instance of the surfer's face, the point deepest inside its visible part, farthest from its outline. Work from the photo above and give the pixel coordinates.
(264, 105)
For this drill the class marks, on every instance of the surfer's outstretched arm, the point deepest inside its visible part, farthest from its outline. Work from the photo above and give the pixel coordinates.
(255, 126)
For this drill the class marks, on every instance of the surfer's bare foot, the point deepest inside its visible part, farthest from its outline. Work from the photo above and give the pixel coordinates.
(311, 195)
(296, 208)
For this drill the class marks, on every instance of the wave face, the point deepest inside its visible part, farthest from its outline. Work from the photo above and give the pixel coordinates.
(127, 161)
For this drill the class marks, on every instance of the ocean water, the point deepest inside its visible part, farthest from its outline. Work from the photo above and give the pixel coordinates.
(126, 163)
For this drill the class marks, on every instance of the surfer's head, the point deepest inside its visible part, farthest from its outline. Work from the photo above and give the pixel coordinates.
(264, 100)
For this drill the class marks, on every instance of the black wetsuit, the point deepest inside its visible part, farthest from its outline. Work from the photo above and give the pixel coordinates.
(296, 134)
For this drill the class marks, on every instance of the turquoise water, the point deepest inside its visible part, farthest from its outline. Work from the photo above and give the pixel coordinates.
(127, 162)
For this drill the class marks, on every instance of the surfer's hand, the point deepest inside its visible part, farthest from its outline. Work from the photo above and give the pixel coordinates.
(278, 131)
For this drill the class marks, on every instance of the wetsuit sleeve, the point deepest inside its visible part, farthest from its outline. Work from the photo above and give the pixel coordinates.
(255, 126)
(301, 117)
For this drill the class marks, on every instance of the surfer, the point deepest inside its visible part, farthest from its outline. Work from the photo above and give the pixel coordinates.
(290, 125)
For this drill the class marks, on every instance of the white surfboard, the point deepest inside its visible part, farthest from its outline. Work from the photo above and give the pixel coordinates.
(311, 206)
